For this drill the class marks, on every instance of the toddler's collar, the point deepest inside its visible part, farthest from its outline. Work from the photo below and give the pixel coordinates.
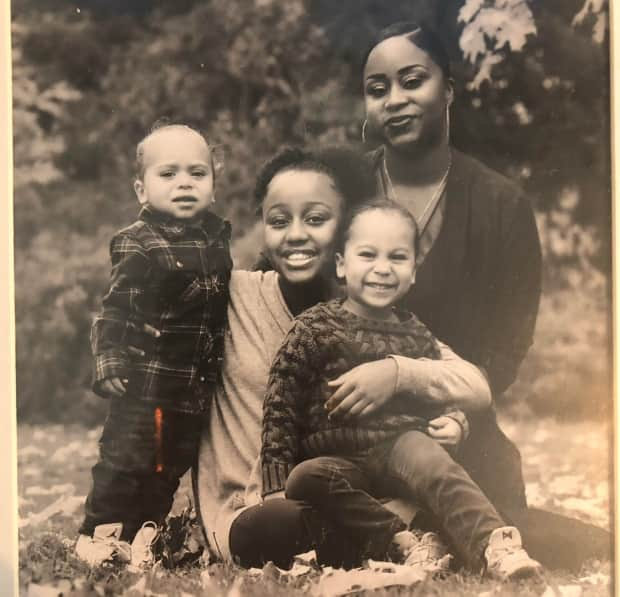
(173, 227)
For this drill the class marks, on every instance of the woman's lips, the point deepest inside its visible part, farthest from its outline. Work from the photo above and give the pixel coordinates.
(399, 121)
(298, 259)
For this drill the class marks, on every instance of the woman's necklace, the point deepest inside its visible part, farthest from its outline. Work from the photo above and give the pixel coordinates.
(432, 201)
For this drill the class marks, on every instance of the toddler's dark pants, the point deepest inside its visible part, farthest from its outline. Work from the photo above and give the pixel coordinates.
(142, 456)
(413, 466)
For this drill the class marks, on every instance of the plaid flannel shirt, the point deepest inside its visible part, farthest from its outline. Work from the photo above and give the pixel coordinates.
(173, 276)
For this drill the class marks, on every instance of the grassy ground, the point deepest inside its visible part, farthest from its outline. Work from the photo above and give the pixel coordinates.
(566, 467)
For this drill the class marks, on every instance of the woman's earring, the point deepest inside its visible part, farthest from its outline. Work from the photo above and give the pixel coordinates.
(448, 123)
(364, 131)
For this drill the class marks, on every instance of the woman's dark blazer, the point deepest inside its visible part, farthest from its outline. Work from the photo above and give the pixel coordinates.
(478, 290)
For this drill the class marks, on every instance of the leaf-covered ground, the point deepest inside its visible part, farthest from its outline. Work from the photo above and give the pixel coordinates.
(566, 468)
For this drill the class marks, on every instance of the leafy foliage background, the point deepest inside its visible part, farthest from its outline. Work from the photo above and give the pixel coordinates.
(91, 76)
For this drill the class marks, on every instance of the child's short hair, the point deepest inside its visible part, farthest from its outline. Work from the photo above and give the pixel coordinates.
(379, 204)
(350, 170)
(160, 125)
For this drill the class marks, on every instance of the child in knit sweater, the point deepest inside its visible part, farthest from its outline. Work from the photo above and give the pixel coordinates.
(340, 466)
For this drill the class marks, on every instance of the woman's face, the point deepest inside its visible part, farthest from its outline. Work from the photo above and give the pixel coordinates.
(301, 213)
(406, 95)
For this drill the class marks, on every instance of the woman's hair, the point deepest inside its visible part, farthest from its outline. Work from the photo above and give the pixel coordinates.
(421, 37)
(377, 204)
(160, 125)
(351, 172)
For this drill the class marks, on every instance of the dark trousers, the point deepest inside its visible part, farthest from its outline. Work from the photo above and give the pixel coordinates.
(143, 453)
(415, 467)
(278, 529)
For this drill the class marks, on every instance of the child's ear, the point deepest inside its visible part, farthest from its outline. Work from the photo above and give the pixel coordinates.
(339, 266)
(138, 187)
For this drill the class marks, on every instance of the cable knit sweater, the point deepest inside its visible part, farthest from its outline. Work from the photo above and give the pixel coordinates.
(325, 342)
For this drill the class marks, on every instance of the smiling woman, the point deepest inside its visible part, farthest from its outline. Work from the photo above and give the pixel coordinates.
(478, 280)
(407, 93)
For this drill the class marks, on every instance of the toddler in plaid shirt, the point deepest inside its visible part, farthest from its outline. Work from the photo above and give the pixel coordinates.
(170, 271)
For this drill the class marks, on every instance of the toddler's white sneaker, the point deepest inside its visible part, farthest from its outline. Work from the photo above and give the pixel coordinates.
(143, 544)
(104, 546)
(506, 559)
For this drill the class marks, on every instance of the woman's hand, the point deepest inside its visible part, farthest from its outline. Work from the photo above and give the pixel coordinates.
(113, 387)
(446, 431)
(362, 390)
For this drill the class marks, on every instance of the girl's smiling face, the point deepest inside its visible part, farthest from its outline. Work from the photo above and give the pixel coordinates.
(301, 213)
(406, 94)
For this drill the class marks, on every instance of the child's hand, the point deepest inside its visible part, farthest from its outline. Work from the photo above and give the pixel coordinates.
(113, 387)
(363, 389)
(446, 431)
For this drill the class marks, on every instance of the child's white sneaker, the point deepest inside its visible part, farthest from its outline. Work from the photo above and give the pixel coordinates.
(142, 554)
(430, 554)
(506, 559)
(104, 546)
(427, 551)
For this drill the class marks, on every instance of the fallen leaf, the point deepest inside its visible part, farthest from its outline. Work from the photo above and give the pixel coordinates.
(308, 558)
(62, 587)
(30, 451)
(37, 490)
(206, 580)
(596, 578)
(235, 590)
(254, 572)
(298, 570)
(535, 495)
(567, 485)
(334, 583)
(41, 434)
(139, 587)
(570, 590)
(65, 505)
(30, 471)
(271, 571)
(84, 449)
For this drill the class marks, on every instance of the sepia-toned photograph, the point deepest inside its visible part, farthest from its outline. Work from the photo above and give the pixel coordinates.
(313, 297)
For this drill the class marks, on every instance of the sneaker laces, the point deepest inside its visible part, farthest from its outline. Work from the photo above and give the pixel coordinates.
(506, 558)
(429, 553)
(142, 554)
(104, 546)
